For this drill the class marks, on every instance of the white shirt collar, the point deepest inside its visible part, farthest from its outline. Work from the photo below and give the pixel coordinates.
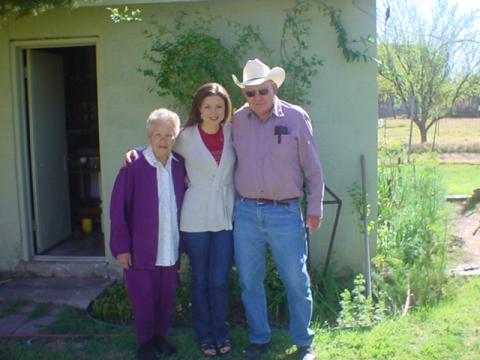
(152, 159)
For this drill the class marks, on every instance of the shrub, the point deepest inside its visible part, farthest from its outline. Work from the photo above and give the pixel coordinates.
(114, 307)
(324, 293)
(359, 310)
(411, 230)
(410, 261)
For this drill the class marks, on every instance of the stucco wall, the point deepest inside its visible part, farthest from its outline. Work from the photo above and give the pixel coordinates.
(343, 105)
(10, 236)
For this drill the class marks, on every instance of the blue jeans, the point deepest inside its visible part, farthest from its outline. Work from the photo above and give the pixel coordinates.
(282, 228)
(211, 255)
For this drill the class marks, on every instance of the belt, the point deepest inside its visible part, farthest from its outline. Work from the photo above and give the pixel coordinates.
(262, 201)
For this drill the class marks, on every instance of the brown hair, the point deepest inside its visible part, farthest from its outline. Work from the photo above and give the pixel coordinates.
(204, 91)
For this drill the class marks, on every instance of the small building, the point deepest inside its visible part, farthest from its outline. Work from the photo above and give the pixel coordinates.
(72, 101)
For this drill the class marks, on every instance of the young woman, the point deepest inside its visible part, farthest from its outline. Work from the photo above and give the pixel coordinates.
(206, 216)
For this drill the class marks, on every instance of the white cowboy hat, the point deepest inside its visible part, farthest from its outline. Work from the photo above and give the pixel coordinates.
(255, 73)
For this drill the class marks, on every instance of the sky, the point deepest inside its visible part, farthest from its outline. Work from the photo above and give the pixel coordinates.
(426, 5)
(425, 8)
(463, 5)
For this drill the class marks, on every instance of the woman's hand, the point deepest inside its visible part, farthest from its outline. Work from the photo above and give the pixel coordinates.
(124, 260)
(130, 156)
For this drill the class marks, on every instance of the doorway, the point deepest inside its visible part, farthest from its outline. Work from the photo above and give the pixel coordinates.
(63, 150)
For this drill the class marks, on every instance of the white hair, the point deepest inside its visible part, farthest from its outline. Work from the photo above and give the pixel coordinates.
(163, 115)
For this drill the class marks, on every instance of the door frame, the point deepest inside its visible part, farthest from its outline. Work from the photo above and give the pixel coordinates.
(21, 136)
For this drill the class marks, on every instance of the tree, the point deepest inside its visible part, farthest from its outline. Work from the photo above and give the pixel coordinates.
(428, 62)
(33, 7)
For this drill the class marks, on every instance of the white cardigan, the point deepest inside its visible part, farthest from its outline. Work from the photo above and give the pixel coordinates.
(209, 200)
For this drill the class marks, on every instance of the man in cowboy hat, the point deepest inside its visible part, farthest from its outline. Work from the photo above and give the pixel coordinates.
(276, 153)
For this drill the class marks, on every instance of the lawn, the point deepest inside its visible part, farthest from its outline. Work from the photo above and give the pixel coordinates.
(451, 330)
(448, 331)
(460, 179)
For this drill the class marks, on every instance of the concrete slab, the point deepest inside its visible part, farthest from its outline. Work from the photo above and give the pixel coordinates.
(33, 326)
(26, 309)
(10, 323)
(67, 266)
(75, 292)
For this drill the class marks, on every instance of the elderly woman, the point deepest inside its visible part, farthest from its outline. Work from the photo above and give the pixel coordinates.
(144, 213)
(206, 219)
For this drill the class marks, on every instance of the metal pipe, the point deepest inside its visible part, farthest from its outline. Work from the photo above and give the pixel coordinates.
(368, 276)
(337, 202)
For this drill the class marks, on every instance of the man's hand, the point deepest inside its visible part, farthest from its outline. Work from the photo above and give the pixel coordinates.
(130, 156)
(124, 260)
(313, 223)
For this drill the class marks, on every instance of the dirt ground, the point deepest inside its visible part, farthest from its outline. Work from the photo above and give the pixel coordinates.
(466, 242)
(466, 226)
(458, 142)
(459, 158)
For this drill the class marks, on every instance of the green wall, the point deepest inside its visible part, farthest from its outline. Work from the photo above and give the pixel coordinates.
(343, 106)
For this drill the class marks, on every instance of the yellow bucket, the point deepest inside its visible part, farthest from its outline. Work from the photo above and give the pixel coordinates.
(87, 225)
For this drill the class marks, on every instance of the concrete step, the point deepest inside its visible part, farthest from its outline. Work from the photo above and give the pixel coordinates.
(76, 292)
(67, 266)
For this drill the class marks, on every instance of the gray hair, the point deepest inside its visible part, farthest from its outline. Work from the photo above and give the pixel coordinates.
(163, 115)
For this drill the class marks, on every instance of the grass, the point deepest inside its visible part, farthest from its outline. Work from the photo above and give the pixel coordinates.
(73, 321)
(455, 135)
(450, 330)
(12, 308)
(460, 179)
(39, 311)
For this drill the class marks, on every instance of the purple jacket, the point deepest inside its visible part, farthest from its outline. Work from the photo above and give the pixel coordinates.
(134, 210)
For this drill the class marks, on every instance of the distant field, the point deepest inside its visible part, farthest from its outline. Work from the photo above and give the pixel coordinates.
(457, 138)
(454, 134)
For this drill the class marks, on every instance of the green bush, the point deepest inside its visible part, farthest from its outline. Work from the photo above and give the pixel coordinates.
(359, 310)
(324, 289)
(114, 307)
(411, 230)
(412, 240)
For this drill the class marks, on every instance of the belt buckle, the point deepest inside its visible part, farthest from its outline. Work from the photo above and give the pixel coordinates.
(260, 202)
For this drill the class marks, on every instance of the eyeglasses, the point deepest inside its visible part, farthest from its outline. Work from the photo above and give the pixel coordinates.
(252, 93)
(164, 137)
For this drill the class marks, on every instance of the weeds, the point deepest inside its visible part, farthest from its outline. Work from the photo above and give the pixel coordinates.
(410, 263)
(39, 311)
(470, 147)
(114, 307)
(411, 231)
(359, 310)
(12, 308)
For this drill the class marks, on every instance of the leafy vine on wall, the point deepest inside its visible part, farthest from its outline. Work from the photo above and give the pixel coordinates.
(343, 42)
(206, 58)
(184, 57)
(300, 64)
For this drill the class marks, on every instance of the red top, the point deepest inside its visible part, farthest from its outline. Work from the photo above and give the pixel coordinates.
(213, 142)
